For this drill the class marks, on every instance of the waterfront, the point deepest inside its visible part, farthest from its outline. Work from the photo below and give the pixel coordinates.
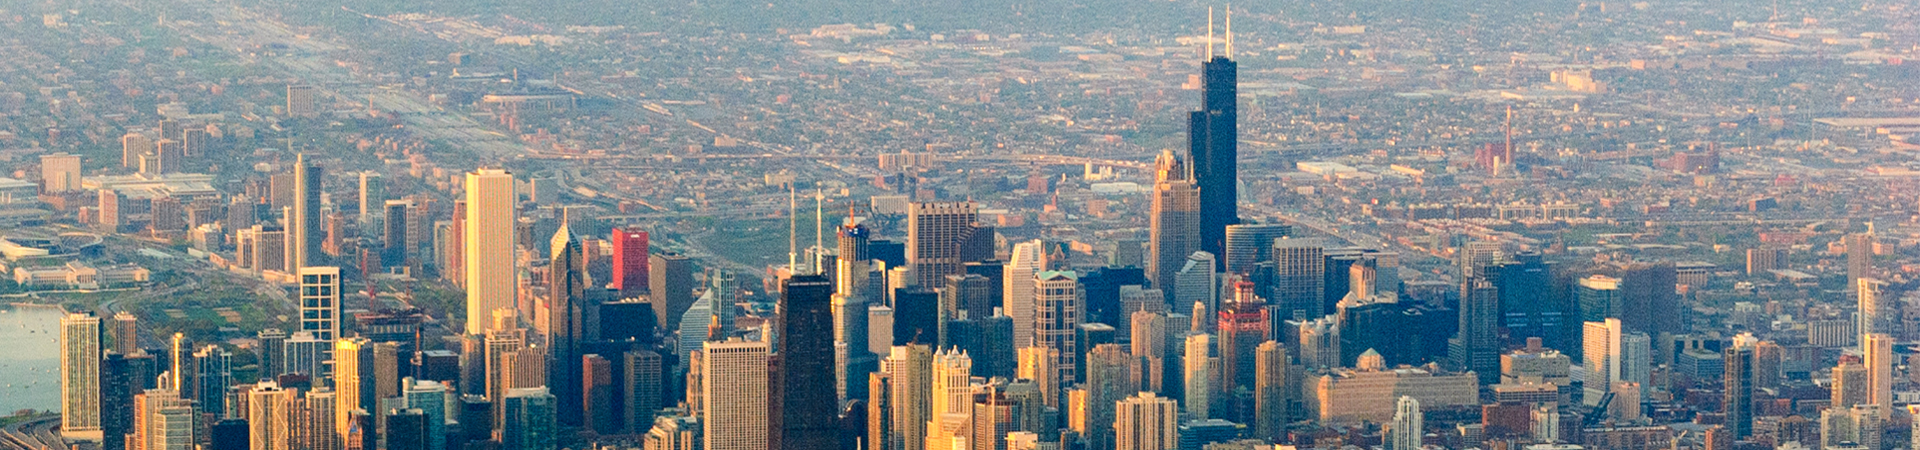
(29, 358)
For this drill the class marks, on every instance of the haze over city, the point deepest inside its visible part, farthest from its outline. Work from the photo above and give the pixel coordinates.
(973, 225)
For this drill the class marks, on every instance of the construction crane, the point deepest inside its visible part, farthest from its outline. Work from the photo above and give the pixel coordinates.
(1599, 410)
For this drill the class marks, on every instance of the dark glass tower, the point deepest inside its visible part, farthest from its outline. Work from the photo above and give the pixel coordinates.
(306, 214)
(1476, 346)
(1528, 307)
(1737, 400)
(1213, 146)
(566, 312)
(228, 434)
(808, 404)
(117, 388)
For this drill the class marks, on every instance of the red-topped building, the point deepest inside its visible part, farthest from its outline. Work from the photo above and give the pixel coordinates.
(629, 261)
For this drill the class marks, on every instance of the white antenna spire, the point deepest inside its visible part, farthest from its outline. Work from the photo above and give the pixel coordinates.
(1209, 33)
(793, 229)
(819, 221)
(1229, 31)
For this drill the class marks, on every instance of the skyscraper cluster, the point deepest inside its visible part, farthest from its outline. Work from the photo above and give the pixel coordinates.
(1230, 332)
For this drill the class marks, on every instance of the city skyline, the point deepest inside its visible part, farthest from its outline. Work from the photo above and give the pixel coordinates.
(1036, 224)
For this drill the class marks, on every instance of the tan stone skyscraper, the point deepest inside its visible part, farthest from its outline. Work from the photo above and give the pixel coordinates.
(353, 381)
(951, 399)
(1109, 380)
(270, 413)
(736, 416)
(935, 231)
(1880, 360)
(1270, 393)
(910, 376)
(1878, 311)
(1037, 364)
(1174, 222)
(1059, 307)
(1850, 385)
(488, 245)
(1859, 258)
(1146, 422)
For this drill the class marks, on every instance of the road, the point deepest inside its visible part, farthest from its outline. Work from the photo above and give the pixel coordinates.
(34, 434)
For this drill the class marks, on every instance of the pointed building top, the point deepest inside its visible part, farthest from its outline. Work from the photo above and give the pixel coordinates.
(1168, 167)
(1229, 31)
(1209, 33)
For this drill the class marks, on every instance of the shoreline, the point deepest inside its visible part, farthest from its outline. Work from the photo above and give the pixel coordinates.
(54, 306)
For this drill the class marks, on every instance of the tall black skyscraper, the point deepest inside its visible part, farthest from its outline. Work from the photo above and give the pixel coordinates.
(228, 434)
(566, 313)
(394, 236)
(117, 388)
(808, 400)
(1213, 146)
(1737, 399)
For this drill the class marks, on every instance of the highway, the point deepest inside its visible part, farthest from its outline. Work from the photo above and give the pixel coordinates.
(33, 434)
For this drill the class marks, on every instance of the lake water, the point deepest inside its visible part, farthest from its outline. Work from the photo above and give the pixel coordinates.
(29, 359)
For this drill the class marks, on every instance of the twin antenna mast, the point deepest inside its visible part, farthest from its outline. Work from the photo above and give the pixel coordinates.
(1210, 32)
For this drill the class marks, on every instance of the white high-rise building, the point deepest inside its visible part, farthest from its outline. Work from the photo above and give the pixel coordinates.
(163, 421)
(910, 369)
(1198, 374)
(736, 415)
(489, 258)
(1612, 354)
(1861, 424)
(1028, 258)
(1879, 312)
(320, 301)
(1408, 425)
(373, 196)
(1036, 363)
(80, 377)
(1144, 422)
(1058, 301)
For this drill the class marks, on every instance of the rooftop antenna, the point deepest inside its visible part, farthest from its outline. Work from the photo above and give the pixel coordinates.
(793, 229)
(1209, 33)
(1229, 31)
(1506, 152)
(819, 220)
